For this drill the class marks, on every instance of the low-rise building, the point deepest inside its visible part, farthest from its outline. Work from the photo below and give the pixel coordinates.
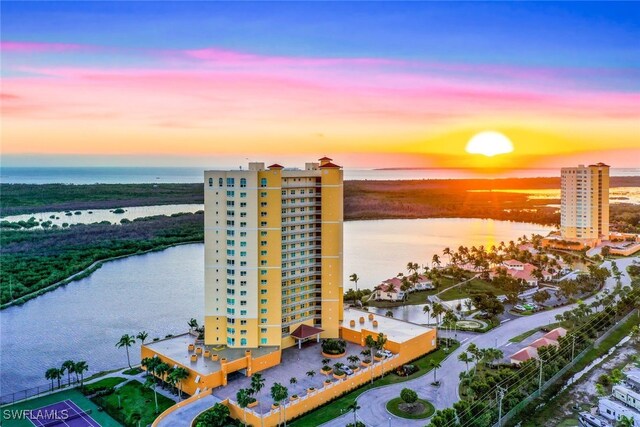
(523, 271)
(389, 290)
(614, 410)
(628, 396)
(524, 355)
(555, 334)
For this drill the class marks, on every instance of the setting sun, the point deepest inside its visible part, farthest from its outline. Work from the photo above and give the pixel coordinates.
(489, 143)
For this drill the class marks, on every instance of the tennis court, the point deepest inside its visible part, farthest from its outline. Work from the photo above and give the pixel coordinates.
(65, 413)
(67, 408)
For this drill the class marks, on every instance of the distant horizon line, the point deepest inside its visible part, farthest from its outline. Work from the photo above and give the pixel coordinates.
(346, 168)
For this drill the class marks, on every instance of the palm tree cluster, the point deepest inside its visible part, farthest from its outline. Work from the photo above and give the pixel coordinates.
(69, 367)
(480, 406)
(165, 374)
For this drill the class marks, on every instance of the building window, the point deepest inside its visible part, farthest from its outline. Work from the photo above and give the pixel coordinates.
(243, 182)
(210, 182)
(263, 340)
(263, 182)
(231, 182)
(220, 182)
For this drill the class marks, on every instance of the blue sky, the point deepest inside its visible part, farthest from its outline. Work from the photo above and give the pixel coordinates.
(411, 79)
(560, 34)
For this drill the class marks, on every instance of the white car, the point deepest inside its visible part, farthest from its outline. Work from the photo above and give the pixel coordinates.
(387, 353)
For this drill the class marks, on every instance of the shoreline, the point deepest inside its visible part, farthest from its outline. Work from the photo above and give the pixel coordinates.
(86, 272)
(35, 198)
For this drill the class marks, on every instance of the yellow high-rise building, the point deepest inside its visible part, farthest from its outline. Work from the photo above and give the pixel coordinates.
(585, 202)
(273, 254)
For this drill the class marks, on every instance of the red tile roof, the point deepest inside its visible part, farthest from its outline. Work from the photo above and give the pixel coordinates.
(276, 166)
(305, 331)
(330, 165)
(525, 354)
(392, 285)
(556, 333)
(543, 342)
(325, 158)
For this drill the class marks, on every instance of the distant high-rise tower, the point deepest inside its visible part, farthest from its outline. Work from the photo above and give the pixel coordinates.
(273, 254)
(585, 202)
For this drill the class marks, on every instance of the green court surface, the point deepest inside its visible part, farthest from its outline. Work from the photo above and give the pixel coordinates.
(78, 398)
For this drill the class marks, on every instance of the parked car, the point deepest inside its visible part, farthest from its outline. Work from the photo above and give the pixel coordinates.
(519, 307)
(387, 353)
(347, 370)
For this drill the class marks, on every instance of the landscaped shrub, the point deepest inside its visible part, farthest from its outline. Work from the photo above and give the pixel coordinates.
(334, 346)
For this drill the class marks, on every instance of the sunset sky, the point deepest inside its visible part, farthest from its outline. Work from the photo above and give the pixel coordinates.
(371, 84)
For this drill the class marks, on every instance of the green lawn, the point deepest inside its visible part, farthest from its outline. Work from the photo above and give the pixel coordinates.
(464, 291)
(132, 371)
(137, 404)
(339, 406)
(78, 398)
(392, 406)
(103, 384)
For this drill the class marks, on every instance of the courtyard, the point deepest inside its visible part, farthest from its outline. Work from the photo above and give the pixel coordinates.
(295, 364)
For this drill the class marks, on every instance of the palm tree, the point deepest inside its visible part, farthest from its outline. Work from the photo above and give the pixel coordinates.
(437, 310)
(625, 421)
(353, 359)
(311, 373)
(193, 324)
(465, 358)
(80, 368)
(150, 383)
(257, 384)
(161, 370)
(447, 252)
(68, 366)
(435, 260)
(142, 336)
(293, 380)
(243, 397)
(53, 374)
(179, 374)
(426, 309)
(126, 341)
(435, 365)
(279, 393)
(389, 313)
(354, 407)
(354, 278)
(371, 344)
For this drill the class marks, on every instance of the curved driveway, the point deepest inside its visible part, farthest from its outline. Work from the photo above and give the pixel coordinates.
(373, 402)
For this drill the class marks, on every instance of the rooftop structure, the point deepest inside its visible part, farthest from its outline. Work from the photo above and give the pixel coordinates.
(395, 330)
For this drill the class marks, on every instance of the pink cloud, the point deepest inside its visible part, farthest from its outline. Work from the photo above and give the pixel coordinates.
(230, 57)
(37, 47)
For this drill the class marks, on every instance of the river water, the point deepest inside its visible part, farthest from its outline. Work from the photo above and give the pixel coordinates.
(159, 292)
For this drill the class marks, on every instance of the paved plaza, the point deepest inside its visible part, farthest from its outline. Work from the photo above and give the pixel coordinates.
(295, 364)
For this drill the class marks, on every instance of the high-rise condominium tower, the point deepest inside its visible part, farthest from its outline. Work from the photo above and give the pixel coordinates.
(273, 253)
(585, 202)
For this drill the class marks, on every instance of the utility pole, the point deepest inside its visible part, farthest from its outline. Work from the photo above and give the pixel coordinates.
(501, 391)
(540, 379)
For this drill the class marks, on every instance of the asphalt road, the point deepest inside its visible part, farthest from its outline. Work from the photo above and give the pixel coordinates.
(373, 402)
